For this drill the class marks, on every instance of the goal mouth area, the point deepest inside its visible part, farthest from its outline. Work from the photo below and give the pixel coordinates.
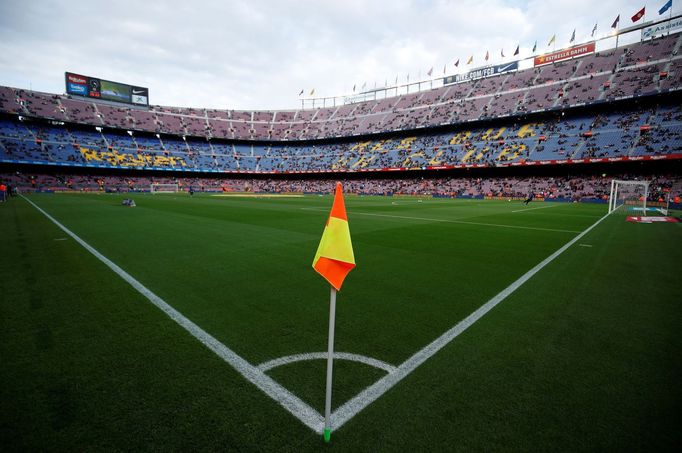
(164, 188)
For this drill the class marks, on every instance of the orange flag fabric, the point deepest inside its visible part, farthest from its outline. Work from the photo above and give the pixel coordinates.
(334, 258)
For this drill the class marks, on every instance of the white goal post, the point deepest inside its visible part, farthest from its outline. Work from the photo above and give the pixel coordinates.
(164, 188)
(632, 193)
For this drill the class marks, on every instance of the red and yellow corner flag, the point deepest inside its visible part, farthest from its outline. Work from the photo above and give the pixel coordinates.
(334, 258)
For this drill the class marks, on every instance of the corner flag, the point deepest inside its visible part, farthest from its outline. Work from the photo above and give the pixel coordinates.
(334, 258)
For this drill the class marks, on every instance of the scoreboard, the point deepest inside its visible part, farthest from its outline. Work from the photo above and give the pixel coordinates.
(92, 87)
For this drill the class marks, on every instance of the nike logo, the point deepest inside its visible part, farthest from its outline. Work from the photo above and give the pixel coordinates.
(504, 68)
(139, 91)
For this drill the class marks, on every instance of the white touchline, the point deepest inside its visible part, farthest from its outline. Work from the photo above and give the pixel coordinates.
(540, 207)
(309, 416)
(270, 364)
(497, 225)
(374, 391)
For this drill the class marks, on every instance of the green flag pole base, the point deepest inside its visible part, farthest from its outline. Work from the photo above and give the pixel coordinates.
(327, 434)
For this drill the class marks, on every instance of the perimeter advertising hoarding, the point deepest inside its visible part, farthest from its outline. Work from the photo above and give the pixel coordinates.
(93, 87)
(565, 54)
(481, 72)
(671, 26)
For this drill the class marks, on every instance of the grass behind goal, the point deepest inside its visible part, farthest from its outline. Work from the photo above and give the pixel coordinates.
(584, 355)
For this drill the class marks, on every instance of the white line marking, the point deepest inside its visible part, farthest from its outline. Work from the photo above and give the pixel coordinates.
(286, 399)
(541, 207)
(60, 239)
(449, 221)
(306, 414)
(265, 366)
(371, 393)
(584, 245)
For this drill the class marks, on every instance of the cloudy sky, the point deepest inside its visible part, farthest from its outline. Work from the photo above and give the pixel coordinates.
(259, 54)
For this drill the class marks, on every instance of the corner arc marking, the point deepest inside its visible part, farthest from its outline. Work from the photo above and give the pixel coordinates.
(270, 364)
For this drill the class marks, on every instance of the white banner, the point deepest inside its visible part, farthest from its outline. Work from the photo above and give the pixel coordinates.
(663, 28)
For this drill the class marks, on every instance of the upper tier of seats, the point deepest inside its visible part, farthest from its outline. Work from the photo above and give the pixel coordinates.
(638, 69)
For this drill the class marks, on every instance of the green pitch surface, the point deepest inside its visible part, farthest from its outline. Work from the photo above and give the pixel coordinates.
(584, 355)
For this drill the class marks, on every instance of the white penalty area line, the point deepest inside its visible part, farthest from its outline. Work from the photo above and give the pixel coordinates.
(371, 393)
(427, 219)
(306, 414)
(540, 207)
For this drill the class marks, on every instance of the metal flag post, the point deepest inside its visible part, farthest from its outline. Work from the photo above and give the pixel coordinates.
(330, 365)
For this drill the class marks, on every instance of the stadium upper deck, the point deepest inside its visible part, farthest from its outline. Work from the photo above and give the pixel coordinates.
(639, 69)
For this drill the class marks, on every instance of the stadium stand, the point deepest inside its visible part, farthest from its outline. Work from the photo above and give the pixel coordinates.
(640, 69)
(617, 106)
(567, 188)
(643, 133)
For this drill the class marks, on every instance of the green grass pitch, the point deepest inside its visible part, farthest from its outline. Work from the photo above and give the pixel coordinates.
(583, 356)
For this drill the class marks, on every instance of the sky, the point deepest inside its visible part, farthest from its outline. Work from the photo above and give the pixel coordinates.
(260, 54)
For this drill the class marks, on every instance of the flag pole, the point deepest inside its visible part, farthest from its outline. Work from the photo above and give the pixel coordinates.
(330, 364)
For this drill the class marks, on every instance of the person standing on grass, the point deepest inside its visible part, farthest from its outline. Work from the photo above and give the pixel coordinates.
(529, 199)
(3, 192)
(191, 191)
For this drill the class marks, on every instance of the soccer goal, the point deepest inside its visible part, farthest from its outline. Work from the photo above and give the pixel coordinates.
(164, 188)
(628, 196)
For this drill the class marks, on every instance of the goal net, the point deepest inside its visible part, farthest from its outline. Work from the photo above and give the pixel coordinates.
(629, 197)
(164, 188)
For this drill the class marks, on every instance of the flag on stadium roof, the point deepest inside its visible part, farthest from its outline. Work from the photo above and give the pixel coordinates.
(457, 63)
(334, 258)
(516, 52)
(535, 46)
(552, 40)
(430, 72)
(471, 60)
(301, 93)
(665, 7)
(615, 22)
(639, 14)
(502, 53)
(312, 92)
(572, 37)
(595, 28)
(487, 55)
(444, 66)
